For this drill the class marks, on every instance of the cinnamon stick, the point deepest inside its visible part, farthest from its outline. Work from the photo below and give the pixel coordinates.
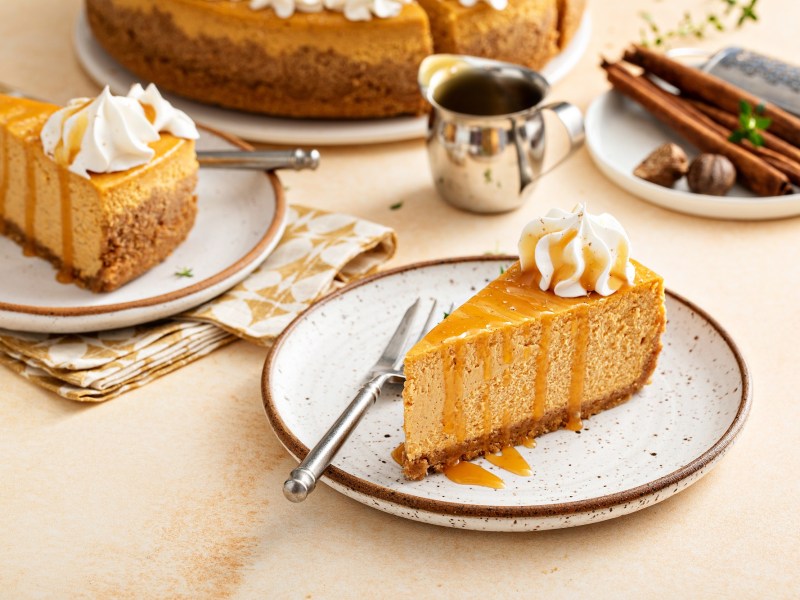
(731, 122)
(711, 89)
(782, 163)
(759, 176)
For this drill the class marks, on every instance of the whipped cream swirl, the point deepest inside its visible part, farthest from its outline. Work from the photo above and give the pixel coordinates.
(576, 252)
(107, 134)
(162, 115)
(111, 133)
(353, 10)
(495, 4)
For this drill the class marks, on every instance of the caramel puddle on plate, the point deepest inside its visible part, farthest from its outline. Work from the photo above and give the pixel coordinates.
(510, 460)
(468, 473)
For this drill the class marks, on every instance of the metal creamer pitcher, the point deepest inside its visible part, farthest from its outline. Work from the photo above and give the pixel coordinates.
(486, 138)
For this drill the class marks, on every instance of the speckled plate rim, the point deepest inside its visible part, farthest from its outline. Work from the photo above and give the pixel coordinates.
(269, 238)
(363, 488)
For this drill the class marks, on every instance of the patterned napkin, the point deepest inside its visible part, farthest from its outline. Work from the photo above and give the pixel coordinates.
(318, 252)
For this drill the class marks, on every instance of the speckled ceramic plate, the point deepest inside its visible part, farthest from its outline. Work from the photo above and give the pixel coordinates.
(241, 216)
(658, 443)
(106, 71)
(620, 134)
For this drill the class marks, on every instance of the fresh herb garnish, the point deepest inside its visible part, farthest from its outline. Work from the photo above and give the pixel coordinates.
(487, 176)
(184, 272)
(502, 270)
(446, 314)
(396, 206)
(751, 123)
(691, 27)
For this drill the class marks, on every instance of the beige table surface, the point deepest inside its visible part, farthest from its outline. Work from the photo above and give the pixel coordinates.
(174, 490)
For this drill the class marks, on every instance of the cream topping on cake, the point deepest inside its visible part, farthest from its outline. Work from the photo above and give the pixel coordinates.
(162, 115)
(102, 135)
(495, 4)
(353, 10)
(576, 252)
(112, 133)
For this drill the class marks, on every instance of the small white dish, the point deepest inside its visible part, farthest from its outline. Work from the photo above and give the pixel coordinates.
(106, 71)
(241, 216)
(662, 440)
(620, 134)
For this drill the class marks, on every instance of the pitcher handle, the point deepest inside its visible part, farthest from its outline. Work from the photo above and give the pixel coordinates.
(572, 120)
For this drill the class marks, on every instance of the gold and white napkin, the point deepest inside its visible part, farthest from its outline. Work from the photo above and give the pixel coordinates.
(318, 252)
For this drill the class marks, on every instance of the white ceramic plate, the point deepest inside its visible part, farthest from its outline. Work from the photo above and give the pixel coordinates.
(658, 443)
(240, 218)
(620, 134)
(105, 70)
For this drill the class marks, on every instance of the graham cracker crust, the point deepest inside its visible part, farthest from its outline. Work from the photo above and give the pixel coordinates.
(517, 433)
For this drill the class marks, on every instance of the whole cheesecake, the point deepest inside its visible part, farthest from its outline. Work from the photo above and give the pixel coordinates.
(99, 230)
(319, 64)
(517, 361)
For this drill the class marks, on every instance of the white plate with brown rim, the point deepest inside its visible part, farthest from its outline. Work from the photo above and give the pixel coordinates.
(620, 134)
(262, 128)
(666, 437)
(241, 216)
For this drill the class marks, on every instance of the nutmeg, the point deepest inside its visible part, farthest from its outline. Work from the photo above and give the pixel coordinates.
(711, 174)
(664, 165)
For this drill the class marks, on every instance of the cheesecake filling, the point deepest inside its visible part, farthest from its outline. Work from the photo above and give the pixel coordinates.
(576, 253)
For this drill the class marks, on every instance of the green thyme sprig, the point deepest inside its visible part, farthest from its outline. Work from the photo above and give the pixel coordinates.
(691, 27)
(751, 124)
(184, 272)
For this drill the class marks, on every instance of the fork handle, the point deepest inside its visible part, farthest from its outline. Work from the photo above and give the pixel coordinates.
(303, 479)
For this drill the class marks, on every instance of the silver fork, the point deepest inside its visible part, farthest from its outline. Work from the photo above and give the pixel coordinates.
(389, 367)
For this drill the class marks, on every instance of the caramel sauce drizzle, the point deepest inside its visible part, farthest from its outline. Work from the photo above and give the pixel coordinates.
(529, 442)
(399, 453)
(449, 408)
(580, 332)
(510, 460)
(488, 425)
(467, 473)
(454, 417)
(67, 244)
(542, 363)
(485, 354)
(505, 427)
(508, 347)
(30, 203)
(65, 154)
(149, 112)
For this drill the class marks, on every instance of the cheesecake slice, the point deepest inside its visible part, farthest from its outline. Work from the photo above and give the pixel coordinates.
(523, 32)
(99, 230)
(516, 361)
